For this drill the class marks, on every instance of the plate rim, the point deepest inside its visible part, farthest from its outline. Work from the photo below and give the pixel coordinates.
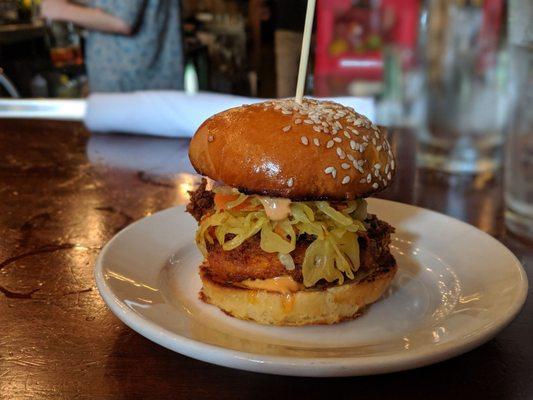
(305, 366)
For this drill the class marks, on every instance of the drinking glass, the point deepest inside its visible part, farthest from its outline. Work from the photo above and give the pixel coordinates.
(466, 70)
(519, 147)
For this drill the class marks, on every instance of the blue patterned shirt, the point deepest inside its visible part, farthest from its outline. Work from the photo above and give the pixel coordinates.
(151, 58)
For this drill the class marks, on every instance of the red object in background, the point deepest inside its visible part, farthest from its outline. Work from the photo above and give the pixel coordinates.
(489, 36)
(64, 56)
(351, 35)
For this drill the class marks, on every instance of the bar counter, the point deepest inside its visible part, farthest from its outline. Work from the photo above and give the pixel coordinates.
(64, 193)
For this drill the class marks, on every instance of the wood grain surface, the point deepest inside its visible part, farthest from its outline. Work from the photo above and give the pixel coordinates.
(64, 193)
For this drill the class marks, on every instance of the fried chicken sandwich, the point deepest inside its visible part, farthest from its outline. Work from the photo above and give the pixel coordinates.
(284, 229)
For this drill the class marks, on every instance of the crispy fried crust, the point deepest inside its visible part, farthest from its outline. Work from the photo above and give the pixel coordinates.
(249, 261)
(201, 201)
(316, 306)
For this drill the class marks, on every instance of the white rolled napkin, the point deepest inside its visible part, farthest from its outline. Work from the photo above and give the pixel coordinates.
(173, 113)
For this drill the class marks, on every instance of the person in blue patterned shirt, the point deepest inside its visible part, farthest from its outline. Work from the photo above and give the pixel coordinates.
(131, 45)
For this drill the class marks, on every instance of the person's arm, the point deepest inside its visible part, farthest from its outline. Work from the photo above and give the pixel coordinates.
(90, 18)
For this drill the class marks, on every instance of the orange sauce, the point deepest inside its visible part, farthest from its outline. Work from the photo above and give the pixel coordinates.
(284, 285)
(280, 284)
(252, 297)
(287, 301)
(276, 208)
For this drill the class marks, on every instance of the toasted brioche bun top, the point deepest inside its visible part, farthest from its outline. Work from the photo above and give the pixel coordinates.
(313, 150)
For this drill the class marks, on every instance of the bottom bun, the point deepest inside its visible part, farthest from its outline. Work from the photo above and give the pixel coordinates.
(306, 307)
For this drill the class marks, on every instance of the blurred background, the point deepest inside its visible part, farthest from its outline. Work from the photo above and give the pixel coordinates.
(456, 72)
(360, 47)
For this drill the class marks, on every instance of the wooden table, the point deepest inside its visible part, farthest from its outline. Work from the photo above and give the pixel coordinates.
(65, 193)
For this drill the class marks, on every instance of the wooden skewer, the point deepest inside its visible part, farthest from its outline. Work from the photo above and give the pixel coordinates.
(304, 55)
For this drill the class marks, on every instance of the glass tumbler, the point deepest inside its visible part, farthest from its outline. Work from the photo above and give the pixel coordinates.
(467, 87)
(519, 147)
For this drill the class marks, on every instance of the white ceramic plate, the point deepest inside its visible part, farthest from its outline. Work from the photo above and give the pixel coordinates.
(456, 288)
